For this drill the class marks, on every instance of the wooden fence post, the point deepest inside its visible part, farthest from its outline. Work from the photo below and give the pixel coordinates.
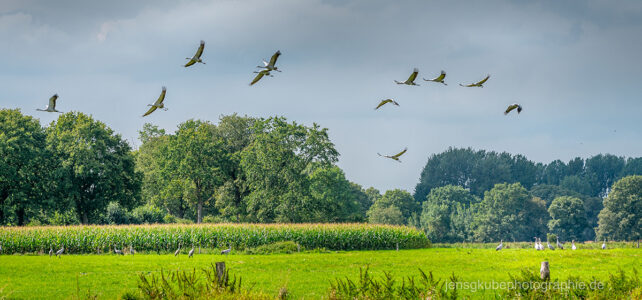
(544, 272)
(220, 273)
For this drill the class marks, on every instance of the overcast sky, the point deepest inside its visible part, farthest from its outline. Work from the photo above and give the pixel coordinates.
(574, 66)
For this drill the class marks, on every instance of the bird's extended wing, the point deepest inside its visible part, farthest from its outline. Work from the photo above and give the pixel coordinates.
(274, 58)
(161, 97)
(199, 52)
(258, 77)
(413, 76)
(400, 153)
(190, 62)
(510, 108)
(441, 77)
(383, 102)
(52, 101)
(483, 80)
(151, 110)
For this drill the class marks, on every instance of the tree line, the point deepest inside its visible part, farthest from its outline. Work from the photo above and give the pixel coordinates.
(266, 170)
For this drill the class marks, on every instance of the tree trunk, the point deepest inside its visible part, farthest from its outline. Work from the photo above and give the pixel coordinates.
(200, 212)
(85, 220)
(21, 216)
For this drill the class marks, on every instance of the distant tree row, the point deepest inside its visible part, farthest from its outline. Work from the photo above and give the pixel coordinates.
(243, 169)
(479, 171)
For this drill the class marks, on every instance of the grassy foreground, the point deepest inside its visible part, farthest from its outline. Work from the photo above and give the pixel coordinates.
(306, 275)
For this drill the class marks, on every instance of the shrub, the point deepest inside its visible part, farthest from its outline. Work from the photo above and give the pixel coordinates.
(116, 214)
(286, 247)
(148, 214)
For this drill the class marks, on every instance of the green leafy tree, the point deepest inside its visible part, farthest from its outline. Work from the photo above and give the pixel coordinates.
(24, 168)
(568, 218)
(362, 198)
(477, 171)
(440, 216)
(385, 215)
(333, 196)
(399, 199)
(95, 166)
(603, 171)
(621, 218)
(236, 133)
(277, 165)
(194, 157)
(508, 212)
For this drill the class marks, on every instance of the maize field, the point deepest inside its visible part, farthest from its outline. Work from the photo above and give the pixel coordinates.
(162, 238)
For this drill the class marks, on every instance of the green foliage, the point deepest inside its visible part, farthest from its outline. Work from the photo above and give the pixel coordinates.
(277, 165)
(508, 212)
(529, 285)
(568, 218)
(477, 171)
(368, 287)
(286, 247)
(24, 165)
(333, 196)
(188, 285)
(116, 214)
(87, 239)
(147, 214)
(621, 218)
(446, 215)
(94, 166)
(385, 215)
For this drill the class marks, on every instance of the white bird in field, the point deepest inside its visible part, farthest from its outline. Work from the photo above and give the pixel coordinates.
(396, 156)
(197, 57)
(386, 101)
(158, 104)
(501, 245)
(477, 84)
(191, 252)
(50, 251)
(560, 246)
(539, 242)
(260, 75)
(536, 246)
(549, 246)
(573, 245)
(52, 105)
(59, 252)
(178, 250)
(271, 66)
(439, 78)
(226, 251)
(604, 245)
(411, 79)
(513, 106)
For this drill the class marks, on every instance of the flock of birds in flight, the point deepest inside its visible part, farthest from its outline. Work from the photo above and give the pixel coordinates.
(270, 66)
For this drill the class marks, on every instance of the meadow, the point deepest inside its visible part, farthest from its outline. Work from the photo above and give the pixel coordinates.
(306, 275)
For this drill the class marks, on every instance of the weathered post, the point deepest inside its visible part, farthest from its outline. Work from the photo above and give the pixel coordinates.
(220, 273)
(544, 272)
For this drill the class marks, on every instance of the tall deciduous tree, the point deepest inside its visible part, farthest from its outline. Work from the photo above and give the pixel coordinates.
(445, 215)
(95, 165)
(24, 165)
(508, 212)
(621, 218)
(195, 156)
(568, 218)
(277, 165)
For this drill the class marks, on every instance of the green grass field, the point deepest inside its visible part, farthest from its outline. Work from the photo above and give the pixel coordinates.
(306, 275)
